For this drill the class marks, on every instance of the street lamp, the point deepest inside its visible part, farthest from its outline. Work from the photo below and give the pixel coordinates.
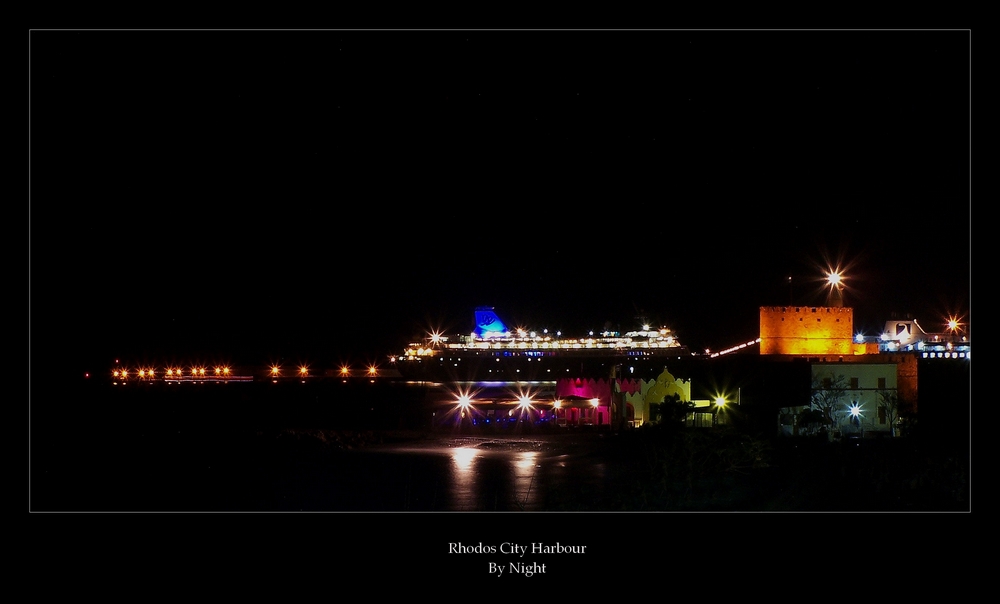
(720, 403)
(855, 411)
(836, 281)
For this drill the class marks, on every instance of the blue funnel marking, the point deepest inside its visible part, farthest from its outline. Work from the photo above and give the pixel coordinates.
(488, 323)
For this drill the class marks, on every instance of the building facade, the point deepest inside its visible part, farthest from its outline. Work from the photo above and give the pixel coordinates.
(857, 386)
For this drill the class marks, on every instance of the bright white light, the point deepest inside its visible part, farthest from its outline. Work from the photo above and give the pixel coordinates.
(463, 457)
(855, 410)
(525, 462)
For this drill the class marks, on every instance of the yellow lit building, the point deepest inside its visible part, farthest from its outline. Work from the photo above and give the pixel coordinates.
(810, 330)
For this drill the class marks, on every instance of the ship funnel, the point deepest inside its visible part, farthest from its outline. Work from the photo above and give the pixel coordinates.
(488, 324)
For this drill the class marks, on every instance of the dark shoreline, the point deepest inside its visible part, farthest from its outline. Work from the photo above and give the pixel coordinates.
(227, 449)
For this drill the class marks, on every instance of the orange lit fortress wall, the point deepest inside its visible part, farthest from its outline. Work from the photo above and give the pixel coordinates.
(806, 330)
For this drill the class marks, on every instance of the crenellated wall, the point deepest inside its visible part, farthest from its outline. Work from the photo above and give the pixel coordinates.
(804, 330)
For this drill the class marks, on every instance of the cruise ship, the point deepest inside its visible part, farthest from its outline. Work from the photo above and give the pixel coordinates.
(492, 351)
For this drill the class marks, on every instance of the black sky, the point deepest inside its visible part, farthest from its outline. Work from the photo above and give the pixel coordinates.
(261, 193)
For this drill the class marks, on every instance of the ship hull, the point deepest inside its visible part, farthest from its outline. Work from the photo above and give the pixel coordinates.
(484, 367)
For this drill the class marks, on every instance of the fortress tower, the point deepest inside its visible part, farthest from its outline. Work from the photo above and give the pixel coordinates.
(808, 330)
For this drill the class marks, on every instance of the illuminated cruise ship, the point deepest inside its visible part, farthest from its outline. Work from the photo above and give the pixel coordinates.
(493, 351)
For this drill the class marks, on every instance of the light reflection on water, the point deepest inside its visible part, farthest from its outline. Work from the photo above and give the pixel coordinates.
(463, 487)
(505, 477)
(482, 478)
(492, 480)
(525, 465)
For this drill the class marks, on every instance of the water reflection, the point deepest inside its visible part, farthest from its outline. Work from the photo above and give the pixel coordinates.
(482, 476)
(492, 480)
(463, 488)
(525, 464)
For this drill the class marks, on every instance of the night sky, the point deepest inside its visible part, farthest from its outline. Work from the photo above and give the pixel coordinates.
(332, 194)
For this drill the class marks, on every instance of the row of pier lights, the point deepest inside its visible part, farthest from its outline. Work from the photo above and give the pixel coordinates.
(225, 373)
